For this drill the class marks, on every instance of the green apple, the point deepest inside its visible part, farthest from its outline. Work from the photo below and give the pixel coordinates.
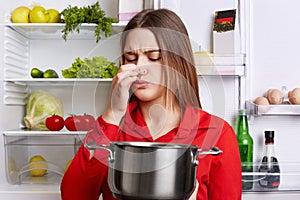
(54, 16)
(20, 15)
(39, 15)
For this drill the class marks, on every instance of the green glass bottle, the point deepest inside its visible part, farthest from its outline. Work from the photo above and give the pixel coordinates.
(245, 143)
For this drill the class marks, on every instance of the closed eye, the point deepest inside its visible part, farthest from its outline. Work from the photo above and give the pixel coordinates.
(152, 55)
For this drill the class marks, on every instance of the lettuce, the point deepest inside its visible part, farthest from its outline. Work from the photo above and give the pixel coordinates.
(41, 105)
(97, 67)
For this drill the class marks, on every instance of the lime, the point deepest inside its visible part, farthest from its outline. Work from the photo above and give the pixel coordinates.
(36, 73)
(50, 73)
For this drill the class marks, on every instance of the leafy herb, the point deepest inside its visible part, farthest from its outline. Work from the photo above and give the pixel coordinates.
(97, 67)
(74, 16)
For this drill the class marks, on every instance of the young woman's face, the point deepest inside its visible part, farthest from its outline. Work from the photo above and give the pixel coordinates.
(141, 49)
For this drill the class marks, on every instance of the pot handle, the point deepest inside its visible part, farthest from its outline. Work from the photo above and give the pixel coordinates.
(209, 151)
(93, 146)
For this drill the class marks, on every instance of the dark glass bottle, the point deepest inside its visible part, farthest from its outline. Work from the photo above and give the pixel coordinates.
(245, 143)
(269, 164)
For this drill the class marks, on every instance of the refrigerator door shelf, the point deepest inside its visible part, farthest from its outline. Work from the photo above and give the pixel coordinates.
(289, 178)
(208, 64)
(280, 109)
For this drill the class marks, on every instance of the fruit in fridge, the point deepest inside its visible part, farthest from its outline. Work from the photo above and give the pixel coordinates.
(54, 16)
(55, 123)
(20, 15)
(39, 15)
(37, 165)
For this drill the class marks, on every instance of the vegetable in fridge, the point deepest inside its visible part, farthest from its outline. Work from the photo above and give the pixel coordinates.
(55, 123)
(97, 67)
(74, 16)
(41, 105)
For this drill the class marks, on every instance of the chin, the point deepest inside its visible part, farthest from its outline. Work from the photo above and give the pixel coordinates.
(143, 95)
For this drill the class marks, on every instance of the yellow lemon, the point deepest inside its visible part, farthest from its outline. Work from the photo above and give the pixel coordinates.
(54, 16)
(37, 166)
(38, 15)
(20, 15)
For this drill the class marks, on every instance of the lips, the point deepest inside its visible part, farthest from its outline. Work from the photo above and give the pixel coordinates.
(139, 84)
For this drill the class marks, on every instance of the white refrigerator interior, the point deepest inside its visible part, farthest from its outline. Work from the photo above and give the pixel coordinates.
(269, 41)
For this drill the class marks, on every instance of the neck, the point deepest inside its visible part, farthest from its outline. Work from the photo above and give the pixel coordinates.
(160, 118)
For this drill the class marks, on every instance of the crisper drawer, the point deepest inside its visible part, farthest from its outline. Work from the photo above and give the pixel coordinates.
(288, 178)
(25, 151)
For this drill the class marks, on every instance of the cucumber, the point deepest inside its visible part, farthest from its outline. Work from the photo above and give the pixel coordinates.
(36, 73)
(50, 73)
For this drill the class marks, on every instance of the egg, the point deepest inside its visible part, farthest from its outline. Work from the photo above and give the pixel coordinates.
(294, 96)
(268, 92)
(262, 103)
(274, 96)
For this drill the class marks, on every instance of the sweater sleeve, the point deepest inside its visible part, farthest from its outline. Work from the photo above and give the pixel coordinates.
(225, 172)
(83, 178)
(86, 177)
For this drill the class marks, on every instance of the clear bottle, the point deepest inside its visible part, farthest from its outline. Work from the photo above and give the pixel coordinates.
(269, 164)
(245, 143)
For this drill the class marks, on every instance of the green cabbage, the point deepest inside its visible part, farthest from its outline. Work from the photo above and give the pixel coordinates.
(41, 105)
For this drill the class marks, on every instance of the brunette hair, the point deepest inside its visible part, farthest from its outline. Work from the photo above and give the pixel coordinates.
(173, 40)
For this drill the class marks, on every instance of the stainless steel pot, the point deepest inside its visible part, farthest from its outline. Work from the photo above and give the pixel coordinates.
(146, 170)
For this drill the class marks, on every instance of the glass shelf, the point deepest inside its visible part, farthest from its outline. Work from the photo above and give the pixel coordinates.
(289, 178)
(276, 110)
(56, 81)
(54, 30)
(220, 64)
(26, 132)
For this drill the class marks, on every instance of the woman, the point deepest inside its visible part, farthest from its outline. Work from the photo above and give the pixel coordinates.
(158, 76)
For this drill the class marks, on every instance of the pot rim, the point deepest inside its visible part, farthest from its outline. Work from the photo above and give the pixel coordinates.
(163, 145)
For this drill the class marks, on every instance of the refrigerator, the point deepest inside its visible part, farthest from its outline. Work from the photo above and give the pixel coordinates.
(267, 41)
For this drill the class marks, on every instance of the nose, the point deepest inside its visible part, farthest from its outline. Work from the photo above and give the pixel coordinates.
(141, 60)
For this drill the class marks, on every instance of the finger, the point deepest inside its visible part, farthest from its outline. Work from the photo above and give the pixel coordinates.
(125, 75)
(127, 67)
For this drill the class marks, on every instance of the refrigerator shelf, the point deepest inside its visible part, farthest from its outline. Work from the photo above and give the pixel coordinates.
(55, 81)
(275, 110)
(289, 177)
(54, 30)
(42, 133)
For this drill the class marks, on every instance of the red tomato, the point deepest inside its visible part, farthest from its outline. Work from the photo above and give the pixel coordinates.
(80, 123)
(55, 123)
(88, 122)
(71, 123)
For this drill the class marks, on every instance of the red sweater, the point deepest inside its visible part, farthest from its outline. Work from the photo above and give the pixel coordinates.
(219, 176)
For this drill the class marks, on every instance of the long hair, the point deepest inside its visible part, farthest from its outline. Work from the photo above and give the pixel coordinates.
(173, 40)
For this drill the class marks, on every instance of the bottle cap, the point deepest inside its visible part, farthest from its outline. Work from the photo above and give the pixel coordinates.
(269, 134)
(242, 112)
